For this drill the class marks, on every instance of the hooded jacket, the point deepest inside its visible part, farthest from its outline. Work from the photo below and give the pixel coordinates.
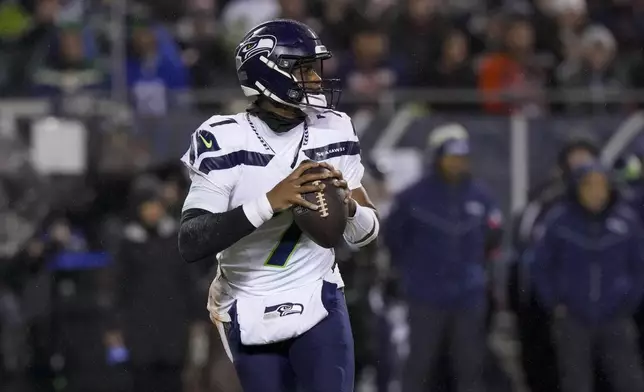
(547, 194)
(593, 264)
(437, 234)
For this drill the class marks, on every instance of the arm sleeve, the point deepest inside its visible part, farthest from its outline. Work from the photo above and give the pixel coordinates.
(204, 234)
(208, 227)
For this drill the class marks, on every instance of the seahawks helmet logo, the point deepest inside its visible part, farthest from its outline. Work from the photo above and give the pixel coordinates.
(254, 46)
(282, 310)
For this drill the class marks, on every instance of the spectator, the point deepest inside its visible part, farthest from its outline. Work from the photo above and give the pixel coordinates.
(155, 303)
(533, 326)
(339, 19)
(210, 63)
(69, 68)
(156, 77)
(369, 71)
(61, 298)
(24, 41)
(575, 152)
(237, 20)
(510, 80)
(628, 170)
(572, 19)
(294, 9)
(588, 270)
(624, 19)
(155, 71)
(440, 234)
(418, 34)
(594, 74)
(543, 17)
(452, 71)
(491, 38)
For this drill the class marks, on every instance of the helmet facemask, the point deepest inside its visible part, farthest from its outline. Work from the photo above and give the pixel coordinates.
(310, 88)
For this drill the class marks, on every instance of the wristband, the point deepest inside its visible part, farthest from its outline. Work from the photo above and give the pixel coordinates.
(363, 227)
(258, 211)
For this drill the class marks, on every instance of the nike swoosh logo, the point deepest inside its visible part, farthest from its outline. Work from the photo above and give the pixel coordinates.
(208, 144)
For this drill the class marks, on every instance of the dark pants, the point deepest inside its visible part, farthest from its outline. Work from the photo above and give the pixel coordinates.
(537, 356)
(461, 332)
(614, 343)
(320, 360)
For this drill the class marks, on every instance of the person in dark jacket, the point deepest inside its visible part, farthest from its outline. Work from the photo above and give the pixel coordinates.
(588, 271)
(628, 170)
(533, 324)
(440, 233)
(156, 306)
(576, 152)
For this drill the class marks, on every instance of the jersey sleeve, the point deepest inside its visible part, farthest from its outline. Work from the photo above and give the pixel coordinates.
(352, 168)
(211, 171)
(208, 195)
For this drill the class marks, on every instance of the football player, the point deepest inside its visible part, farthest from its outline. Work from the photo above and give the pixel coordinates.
(277, 299)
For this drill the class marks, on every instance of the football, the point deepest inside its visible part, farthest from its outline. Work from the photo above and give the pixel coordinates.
(326, 225)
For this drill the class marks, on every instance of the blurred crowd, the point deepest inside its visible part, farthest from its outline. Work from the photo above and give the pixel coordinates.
(513, 53)
(94, 296)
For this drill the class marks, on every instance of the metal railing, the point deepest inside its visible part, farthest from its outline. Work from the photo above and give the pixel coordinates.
(388, 102)
(388, 111)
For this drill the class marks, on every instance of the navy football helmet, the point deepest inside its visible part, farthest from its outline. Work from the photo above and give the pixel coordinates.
(273, 60)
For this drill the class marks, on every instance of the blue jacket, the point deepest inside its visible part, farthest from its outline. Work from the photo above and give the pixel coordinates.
(438, 235)
(591, 264)
(153, 85)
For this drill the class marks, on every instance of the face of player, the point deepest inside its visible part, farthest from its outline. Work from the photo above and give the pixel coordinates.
(455, 167)
(308, 75)
(594, 192)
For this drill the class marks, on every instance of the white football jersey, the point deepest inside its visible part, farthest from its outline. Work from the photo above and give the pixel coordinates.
(235, 159)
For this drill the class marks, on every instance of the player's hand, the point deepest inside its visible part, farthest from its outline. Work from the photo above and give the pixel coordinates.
(289, 191)
(341, 183)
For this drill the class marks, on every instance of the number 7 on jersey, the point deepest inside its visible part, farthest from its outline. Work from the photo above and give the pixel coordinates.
(282, 252)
